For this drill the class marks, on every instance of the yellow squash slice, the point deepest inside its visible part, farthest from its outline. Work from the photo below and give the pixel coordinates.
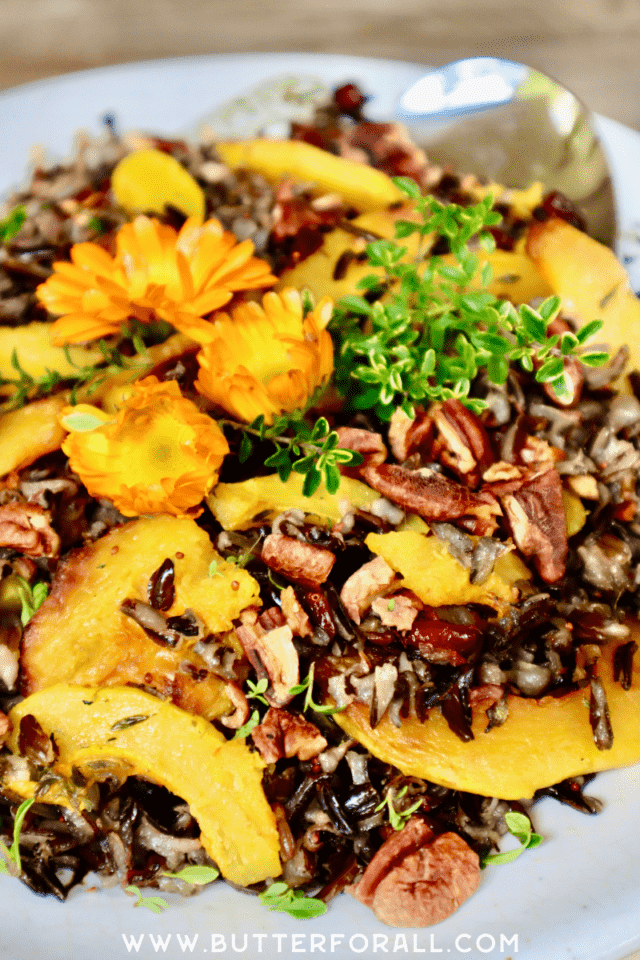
(96, 728)
(541, 742)
(79, 634)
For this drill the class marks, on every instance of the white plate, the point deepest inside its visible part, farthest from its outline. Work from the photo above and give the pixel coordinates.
(578, 895)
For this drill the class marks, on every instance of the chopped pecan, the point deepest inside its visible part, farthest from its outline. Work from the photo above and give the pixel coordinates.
(415, 880)
(365, 442)
(442, 642)
(407, 436)
(466, 447)
(363, 586)
(240, 714)
(272, 654)
(297, 560)
(294, 614)
(433, 496)
(539, 453)
(535, 512)
(502, 471)
(398, 611)
(272, 618)
(283, 734)
(27, 527)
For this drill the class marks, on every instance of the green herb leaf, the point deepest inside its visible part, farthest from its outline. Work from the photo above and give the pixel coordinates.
(283, 899)
(31, 598)
(12, 224)
(398, 818)
(21, 812)
(198, 875)
(250, 725)
(520, 826)
(155, 904)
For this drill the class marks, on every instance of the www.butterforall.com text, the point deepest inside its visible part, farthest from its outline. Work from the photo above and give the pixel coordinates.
(316, 944)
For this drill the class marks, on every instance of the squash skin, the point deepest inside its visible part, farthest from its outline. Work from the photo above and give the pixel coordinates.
(220, 780)
(80, 636)
(541, 742)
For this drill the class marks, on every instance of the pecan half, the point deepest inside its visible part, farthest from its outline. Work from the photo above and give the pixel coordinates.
(415, 880)
(433, 496)
(297, 560)
(535, 512)
(465, 444)
(283, 734)
(27, 527)
(272, 654)
(363, 586)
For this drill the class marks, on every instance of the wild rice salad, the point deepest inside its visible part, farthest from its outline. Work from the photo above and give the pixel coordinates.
(318, 519)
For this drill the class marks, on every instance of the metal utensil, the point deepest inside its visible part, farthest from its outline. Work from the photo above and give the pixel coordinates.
(506, 122)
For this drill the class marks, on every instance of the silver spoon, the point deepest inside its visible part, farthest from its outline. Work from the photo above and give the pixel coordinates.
(506, 122)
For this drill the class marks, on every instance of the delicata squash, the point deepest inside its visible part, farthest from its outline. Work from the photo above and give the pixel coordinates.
(98, 627)
(103, 730)
(316, 591)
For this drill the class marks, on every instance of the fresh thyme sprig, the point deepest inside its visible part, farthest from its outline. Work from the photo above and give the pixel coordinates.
(283, 899)
(398, 818)
(309, 704)
(434, 325)
(311, 450)
(10, 861)
(155, 904)
(520, 826)
(31, 598)
(29, 388)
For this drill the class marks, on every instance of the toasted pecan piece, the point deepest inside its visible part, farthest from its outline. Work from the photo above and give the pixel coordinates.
(296, 560)
(283, 734)
(27, 527)
(433, 496)
(535, 512)
(363, 586)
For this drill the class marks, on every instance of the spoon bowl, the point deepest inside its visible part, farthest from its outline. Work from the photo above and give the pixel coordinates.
(505, 122)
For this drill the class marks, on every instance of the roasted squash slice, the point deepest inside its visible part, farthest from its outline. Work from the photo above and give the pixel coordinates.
(98, 728)
(434, 575)
(590, 280)
(236, 505)
(30, 432)
(80, 635)
(541, 742)
(336, 268)
(360, 185)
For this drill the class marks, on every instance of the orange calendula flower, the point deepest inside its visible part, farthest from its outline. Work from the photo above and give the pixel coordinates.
(267, 359)
(160, 454)
(157, 273)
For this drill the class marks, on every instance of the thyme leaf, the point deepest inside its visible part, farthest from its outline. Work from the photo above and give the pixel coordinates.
(437, 325)
(398, 818)
(31, 598)
(283, 899)
(520, 826)
(155, 904)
